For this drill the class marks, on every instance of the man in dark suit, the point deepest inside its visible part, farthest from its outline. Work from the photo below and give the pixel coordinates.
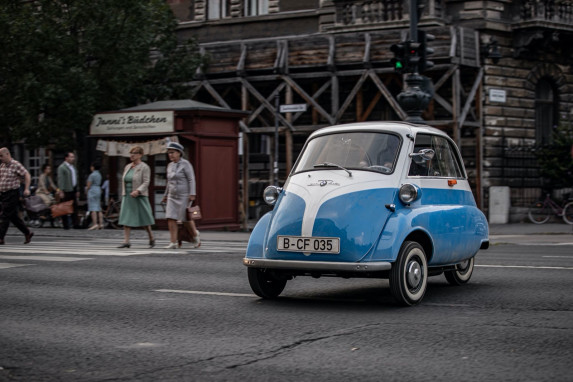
(68, 184)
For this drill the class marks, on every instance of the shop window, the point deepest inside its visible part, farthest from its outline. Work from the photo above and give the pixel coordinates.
(160, 163)
(256, 7)
(218, 9)
(546, 106)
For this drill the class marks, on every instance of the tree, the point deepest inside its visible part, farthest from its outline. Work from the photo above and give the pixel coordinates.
(555, 160)
(64, 60)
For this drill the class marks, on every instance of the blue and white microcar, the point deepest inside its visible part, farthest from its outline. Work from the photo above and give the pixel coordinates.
(381, 200)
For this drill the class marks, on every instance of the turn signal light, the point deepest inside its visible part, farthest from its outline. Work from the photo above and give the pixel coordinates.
(452, 182)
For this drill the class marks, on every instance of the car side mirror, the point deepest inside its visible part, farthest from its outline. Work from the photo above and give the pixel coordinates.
(423, 156)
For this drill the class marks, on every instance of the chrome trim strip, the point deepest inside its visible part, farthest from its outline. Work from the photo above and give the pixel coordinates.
(318, 265)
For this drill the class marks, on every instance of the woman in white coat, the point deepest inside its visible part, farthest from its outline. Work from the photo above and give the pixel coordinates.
(179, 193)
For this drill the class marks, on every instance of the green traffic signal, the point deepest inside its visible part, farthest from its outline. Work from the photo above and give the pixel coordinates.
(400, 60)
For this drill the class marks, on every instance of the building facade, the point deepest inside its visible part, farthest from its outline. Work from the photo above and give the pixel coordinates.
(502, 79)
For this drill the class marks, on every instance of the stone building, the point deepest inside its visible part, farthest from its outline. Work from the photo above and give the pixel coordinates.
(503, 76)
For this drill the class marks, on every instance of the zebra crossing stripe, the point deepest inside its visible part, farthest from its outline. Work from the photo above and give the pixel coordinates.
(44, 258)
(8, 265)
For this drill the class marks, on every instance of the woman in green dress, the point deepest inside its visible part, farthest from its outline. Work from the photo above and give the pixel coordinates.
(135, 208)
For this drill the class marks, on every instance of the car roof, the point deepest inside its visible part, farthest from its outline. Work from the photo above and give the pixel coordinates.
(401, 128)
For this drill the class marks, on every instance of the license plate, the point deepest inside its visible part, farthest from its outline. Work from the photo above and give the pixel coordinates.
(308, 244)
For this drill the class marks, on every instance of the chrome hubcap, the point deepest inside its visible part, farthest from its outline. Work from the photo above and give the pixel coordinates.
(463, 267)
(413, 274)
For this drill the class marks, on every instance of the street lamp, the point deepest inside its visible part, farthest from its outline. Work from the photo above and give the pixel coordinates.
(491, 50)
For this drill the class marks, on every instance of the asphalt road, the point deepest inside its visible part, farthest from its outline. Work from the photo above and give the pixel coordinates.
(74, 310)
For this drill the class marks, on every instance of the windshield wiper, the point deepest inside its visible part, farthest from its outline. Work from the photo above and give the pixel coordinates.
(328, 164)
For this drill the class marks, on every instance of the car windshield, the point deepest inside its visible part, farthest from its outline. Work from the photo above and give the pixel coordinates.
(357, 151)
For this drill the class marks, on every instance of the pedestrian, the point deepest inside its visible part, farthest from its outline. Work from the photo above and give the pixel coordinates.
(47, 189)
(68, 184)
(93, 190)
(135, 208)
(46, 186)
(105, 190)
(12, 173)
(179, 193)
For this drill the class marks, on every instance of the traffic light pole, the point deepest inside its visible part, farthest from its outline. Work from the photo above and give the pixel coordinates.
(413, 99)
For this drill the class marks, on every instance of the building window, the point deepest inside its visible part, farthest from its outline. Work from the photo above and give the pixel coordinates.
(218, 9)
(35, 159)
(256, 7)
(545, 110)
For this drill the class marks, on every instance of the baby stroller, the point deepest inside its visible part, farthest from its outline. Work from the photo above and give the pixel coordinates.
(36, 212)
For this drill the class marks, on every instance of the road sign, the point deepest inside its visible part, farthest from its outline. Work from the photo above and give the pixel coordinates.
(497, 95)
(294, 108)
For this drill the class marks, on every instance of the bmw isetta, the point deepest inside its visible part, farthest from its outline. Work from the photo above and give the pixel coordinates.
(379, 200)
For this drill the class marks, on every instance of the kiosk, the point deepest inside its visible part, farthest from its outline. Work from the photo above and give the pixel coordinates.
(210, 137)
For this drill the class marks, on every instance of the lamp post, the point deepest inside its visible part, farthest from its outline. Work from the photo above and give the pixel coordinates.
(413, 99)
(276, 156)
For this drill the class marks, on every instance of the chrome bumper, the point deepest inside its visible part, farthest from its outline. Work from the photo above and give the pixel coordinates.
(324, 266)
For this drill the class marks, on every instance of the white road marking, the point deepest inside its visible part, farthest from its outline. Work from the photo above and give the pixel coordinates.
(7, 265)
(522, 266)
(108, 248)
(44, 258)
(560, 257)
(82, 252)
(206, 293)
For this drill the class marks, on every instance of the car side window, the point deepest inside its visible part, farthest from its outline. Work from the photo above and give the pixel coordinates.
(443, 164)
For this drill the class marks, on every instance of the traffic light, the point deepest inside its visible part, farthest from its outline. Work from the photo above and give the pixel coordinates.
(413, 56)
(400, 60)
(424, 51)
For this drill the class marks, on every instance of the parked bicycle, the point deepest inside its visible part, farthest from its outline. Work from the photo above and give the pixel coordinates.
(540, 212)
(111, 213)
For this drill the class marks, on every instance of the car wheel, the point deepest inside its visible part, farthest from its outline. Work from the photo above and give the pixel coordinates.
(265, 284)
(462, 273)
(409, 274)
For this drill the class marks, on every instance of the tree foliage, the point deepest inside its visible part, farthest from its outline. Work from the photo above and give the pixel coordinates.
(64, 60)
(555, 160)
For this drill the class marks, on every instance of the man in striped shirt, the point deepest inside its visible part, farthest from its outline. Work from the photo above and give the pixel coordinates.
(12, 173)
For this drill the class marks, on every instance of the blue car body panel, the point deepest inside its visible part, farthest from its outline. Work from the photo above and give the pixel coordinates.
(340, 217)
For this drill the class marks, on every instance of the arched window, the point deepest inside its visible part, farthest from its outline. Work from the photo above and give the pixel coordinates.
(546, 106)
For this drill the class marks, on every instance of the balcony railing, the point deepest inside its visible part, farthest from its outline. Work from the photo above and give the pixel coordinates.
(365, 12)
(557, 11)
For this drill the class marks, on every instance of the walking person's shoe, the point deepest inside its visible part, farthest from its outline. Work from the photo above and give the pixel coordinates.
(171, 246)
(1, 241)
(197, 240)
(125, 245)
(28, 237)
(151, 243)
(95, 226)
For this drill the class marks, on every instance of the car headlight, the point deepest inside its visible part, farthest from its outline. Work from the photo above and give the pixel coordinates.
(271, 194)
(408, 193)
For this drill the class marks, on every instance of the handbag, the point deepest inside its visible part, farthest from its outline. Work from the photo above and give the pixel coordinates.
(193, 213)
(63, 208)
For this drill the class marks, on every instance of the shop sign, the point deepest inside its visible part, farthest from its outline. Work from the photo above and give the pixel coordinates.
(141, 122)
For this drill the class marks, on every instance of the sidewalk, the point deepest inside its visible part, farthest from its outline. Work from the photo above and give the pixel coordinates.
(499, 233)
